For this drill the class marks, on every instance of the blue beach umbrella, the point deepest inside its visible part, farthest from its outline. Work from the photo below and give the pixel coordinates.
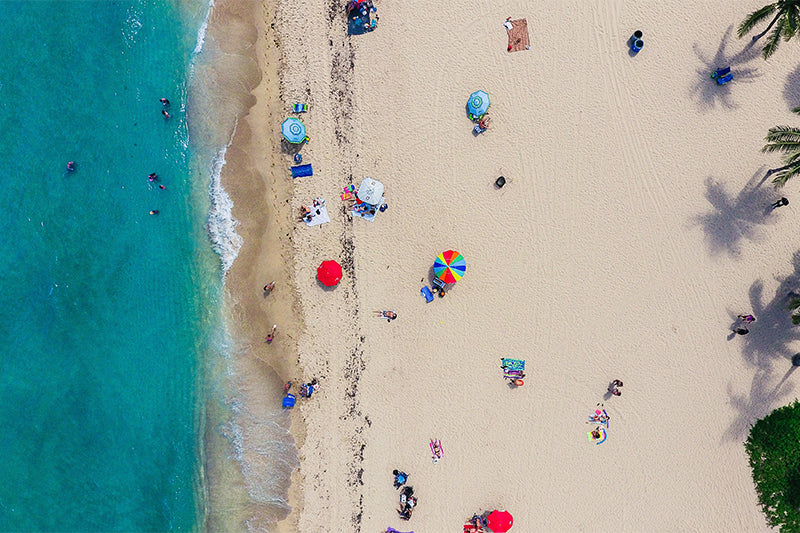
(478, 104)
(293, 130)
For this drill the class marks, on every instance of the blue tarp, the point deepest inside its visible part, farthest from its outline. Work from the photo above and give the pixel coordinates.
(300, 171)
(358, 23)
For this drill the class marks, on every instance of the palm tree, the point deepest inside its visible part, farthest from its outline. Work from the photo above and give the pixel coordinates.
(787, 18)
(794, 307)
(784, 139)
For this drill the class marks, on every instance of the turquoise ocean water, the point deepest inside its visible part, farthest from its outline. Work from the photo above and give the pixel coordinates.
(106, 312)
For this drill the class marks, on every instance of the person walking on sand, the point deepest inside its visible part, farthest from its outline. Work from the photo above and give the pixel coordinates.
(780, 203)
(269, 286)
(613, 388)
(271, 334)
(747, 319)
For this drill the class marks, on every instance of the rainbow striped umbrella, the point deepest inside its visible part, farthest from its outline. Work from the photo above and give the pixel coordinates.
(449, 266)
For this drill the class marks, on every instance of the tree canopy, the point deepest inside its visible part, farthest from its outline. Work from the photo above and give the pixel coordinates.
(774, 450)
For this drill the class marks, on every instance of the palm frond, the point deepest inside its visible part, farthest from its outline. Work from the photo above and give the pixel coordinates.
(795, 320)
(796, 110)
(791, 20)
(754, 18)
(785, 174)
(782, 139)
(773, 41)
(793, 304)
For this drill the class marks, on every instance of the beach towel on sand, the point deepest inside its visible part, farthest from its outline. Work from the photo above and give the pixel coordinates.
(320, 218)
(518, 36)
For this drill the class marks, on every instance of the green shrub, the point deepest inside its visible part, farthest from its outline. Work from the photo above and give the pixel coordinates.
(774, 449)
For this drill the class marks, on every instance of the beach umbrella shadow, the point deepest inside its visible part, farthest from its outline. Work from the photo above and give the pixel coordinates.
(735, 217)
(708, 93)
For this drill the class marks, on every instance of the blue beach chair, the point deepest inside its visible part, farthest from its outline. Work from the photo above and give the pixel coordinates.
(722, 75)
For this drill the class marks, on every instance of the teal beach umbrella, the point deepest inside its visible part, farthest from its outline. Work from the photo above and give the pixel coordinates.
(293, 130)
(478, 104)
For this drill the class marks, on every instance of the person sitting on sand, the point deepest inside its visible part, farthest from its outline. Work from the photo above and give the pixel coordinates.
(271, 334)
(400, 478)
(596, 434)
(483, 123)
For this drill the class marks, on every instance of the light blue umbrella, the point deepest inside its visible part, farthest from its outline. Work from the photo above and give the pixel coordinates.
(478, 104)
(293, 130)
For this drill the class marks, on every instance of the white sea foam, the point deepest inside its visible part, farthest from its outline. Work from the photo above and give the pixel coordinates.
(201, 34)
(221, 224)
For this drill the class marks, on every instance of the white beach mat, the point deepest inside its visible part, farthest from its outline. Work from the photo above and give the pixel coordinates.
(320, 216)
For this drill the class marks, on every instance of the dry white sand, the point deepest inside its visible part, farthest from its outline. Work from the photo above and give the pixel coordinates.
(632, 231)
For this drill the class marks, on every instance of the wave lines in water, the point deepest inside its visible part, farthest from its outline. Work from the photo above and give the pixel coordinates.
(221, 224)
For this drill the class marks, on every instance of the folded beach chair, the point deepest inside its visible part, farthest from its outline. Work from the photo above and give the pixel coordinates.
(300, 108)
(299, 171)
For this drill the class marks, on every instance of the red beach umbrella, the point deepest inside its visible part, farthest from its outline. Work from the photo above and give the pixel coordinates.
(329, 273)
(500, 521)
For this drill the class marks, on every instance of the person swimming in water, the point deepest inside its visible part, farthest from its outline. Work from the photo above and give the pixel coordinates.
(154, 212)
(164, 112)
(164, 102)
(70, 166)
(152, 177)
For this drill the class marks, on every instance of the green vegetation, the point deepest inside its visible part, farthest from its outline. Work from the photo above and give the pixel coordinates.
(785, 139)
(774, 449)
(786, 20)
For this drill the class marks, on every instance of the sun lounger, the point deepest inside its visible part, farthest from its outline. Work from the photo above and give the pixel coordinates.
(722, 75)
(724, 79)
(438, 284)
(300, 108)
(299, 171)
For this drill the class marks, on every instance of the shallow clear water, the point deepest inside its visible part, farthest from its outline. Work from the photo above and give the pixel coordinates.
(105, 310)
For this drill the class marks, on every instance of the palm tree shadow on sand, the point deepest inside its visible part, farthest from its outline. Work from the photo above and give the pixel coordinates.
(707, 92)
(769, 348)
(791, 90)
(734, 218)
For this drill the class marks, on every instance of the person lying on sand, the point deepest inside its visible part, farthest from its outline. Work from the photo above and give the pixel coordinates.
(388, 315)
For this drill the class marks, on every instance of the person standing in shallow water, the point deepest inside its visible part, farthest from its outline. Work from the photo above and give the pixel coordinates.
(271, 335)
